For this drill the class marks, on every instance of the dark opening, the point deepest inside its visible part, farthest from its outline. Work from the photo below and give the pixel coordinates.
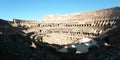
(72, 50)
(107, 40)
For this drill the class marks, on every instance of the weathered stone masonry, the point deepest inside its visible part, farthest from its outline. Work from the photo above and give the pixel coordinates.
(70, 28)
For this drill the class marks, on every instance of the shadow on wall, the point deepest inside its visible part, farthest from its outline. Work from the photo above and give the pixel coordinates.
(109, 41)
(20, 47)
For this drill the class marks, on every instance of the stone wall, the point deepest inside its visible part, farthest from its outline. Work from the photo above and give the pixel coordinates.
(25, 23)
(73, 31)
(104, 14)
(72, 27)
(79, 25)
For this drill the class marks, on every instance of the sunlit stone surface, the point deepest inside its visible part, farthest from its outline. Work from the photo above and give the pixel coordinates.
(78, 30)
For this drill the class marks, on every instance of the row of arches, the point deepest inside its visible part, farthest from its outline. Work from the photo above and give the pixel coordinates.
(73, 33)
(77, 25)
(93, 23)
(49, 25)
(105, 23)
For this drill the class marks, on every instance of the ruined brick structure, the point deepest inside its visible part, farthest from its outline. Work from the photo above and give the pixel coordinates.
(24, 23)
(76, 26)
(70, 29)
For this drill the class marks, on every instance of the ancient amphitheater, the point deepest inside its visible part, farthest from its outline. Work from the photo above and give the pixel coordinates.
(76, 32)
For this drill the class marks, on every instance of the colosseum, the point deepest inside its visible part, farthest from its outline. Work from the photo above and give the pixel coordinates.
(75, 32)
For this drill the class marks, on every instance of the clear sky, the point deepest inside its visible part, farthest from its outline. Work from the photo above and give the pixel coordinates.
(36, 9)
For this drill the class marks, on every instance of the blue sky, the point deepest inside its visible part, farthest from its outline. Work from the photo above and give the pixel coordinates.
(36, 9)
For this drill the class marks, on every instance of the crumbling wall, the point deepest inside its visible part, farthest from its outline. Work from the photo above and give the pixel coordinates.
(103, 14)
(24, 23)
